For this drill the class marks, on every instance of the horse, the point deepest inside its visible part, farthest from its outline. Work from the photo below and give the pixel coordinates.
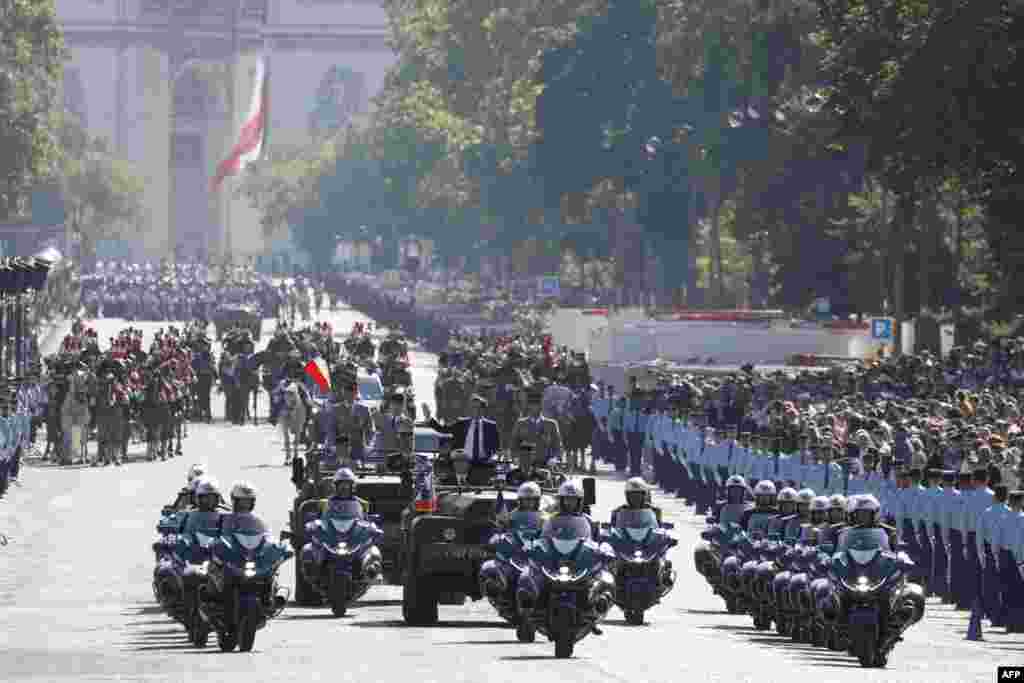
(75, 418)
(292, 420)
(156, 414)
(111, 418)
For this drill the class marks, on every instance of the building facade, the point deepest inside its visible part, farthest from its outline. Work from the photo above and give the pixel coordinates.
(168, 84)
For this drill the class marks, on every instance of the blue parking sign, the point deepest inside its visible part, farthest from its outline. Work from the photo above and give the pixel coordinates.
(881, 328)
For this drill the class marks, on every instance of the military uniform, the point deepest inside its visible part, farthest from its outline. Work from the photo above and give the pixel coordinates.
(543, 433)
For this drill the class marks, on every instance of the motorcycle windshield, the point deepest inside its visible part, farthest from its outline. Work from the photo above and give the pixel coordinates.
(342, 525)
(637, 523)
(864, 544)
(565, 532)
(348, 508)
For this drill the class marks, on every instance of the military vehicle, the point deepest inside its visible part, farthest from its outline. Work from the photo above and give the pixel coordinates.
(446, 532)
(386, 485)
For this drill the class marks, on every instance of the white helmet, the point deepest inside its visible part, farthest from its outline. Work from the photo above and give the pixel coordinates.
(804, 497)
(837, 501)
(344, 474)
(243, 490)
(765, 487)
(736, 480)
(787, 495)
(197, 470)
(207, 487)
(865, 509)
(528, 490)
(820, 504)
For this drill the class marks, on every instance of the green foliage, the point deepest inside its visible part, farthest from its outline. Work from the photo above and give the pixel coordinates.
(102, 194)
(31, 58)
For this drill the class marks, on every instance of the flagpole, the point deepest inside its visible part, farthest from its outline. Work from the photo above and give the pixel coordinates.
(234, 116)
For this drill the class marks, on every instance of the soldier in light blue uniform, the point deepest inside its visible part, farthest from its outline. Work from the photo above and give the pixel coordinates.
(980, 499)
(988, 525)
(957, 572)
(1004, 539)
(1014, 538)
(617, 422)
(940, 540)
(637, 426)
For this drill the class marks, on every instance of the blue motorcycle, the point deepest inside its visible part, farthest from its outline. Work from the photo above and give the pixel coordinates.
(567, 590)
(498, 577)
(643, 575)
(342, 559)
(167, 530)
(191, 564)
(241, 591)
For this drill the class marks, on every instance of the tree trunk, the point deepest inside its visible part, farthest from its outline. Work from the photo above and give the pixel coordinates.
(690, 280)
(899, 230)
(715, 237)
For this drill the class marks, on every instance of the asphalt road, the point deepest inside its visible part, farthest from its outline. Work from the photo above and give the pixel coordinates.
(76, 602)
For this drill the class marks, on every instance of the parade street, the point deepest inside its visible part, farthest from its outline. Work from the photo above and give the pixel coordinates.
(76, 602)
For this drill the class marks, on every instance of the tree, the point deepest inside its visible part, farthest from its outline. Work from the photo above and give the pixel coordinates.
(101, 193)
(31, 63)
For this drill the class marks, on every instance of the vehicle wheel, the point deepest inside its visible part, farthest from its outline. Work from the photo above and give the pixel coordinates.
(635, 617)
(881, 660)
(832, 640)
(227, 641)
(246, 635)
(563, 648)
(732, 605)
(200, 635)
(762, 623)
(419, 602)
(338, 608)
(783, 627)
(305, 594)
(526, 633)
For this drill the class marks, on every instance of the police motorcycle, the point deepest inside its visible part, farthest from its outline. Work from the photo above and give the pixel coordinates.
(171, 523)
(790, 560)
(241, 592)
(872, 602)
(566, 590)
(726, 545)
(640, 541)
(765, 530)
(342, 559)
(805, 565)
(499, 576)
(821, 584)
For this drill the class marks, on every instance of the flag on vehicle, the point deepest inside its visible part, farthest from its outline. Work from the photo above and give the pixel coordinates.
(317, 370)
(252, 139)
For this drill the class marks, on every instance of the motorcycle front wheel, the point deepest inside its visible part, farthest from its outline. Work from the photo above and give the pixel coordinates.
(635, 617)
(227, 641)
(246, 635)
(563, 647)
(526, 633)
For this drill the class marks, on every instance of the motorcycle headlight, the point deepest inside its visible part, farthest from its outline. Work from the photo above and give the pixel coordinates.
(341, 548)
(204, 567)
(250, 568)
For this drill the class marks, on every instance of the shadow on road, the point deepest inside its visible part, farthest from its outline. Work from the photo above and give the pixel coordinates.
(312, 616)
(398, 623)
(378, 603)
(483, 642)
(705, 612)
(533, 658)
(622, 622)
(145, 610)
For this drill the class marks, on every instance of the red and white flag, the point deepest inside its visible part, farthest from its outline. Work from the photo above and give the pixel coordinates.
(317, 369)
(253, 136)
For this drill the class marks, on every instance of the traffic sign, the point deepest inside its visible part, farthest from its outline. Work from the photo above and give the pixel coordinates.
(881, 328)
(549, 286)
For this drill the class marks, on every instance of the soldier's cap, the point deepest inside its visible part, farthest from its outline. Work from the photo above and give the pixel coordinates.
(477, 398)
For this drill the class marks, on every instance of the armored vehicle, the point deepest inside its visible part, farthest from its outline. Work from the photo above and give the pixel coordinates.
(446, 532)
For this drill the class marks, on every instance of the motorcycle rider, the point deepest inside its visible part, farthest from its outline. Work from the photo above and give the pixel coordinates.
(527, 515)
(734, 508)
(787, 501)
(186, 497)
(243, 502)
(864, 514)
(570, 515)
(638, 497)
(794, 529)
(828, 534)
(206, 515)
(344, 494)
